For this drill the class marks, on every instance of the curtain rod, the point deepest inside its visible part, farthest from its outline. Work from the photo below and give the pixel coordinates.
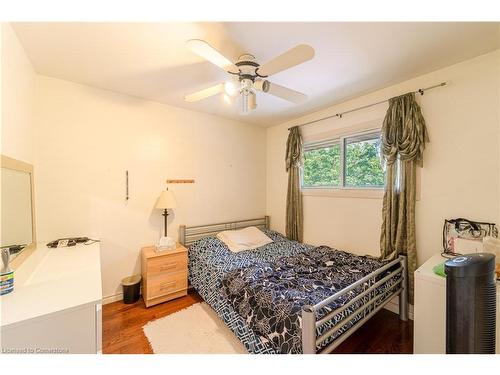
(340, 114)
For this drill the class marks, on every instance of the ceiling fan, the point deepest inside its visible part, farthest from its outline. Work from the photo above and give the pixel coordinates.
(248, 76)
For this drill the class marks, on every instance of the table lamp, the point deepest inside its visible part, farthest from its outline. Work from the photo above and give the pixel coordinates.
(166, 201)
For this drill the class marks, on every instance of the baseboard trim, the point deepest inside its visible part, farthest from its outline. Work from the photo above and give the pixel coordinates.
(112, 298)
(393, 306)
(116, 297)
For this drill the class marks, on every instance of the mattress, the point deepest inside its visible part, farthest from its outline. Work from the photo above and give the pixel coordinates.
(287, 271)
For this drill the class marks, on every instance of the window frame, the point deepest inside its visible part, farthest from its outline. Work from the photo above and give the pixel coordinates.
(341, 141)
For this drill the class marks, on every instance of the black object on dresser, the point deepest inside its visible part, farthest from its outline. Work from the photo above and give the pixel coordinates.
(470, 304)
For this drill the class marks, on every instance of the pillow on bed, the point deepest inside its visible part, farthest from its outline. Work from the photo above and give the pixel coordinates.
(244, 239)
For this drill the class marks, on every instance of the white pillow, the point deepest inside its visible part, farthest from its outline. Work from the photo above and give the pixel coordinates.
(244, 239)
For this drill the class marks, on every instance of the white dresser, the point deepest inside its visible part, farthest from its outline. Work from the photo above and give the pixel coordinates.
(430, 310)
(56, 304)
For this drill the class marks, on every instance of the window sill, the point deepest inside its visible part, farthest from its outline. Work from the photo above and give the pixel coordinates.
(344, 193)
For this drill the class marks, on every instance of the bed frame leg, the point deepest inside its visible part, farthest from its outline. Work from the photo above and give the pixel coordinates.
(308, 330)
(403, 296)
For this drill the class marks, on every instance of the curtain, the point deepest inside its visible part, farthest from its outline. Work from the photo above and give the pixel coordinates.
(294, 157)
(404, 135)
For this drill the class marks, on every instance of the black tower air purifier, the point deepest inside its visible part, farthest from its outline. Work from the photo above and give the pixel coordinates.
(470, 304)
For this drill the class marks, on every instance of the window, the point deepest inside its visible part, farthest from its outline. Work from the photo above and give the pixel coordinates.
(349, 162)
(322, 165)
(362, 161)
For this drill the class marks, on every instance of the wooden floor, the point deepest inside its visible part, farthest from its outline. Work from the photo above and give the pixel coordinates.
(122, 324)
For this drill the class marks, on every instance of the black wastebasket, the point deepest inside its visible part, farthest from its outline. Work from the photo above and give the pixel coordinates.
(131, 289)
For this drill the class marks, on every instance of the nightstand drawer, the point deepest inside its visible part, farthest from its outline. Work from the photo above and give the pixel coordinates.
(167, 264)
(161, 285)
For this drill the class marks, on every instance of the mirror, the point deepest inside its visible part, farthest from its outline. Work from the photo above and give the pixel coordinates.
(17, 226)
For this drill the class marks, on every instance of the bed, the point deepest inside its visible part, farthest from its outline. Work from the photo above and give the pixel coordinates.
(288, 297)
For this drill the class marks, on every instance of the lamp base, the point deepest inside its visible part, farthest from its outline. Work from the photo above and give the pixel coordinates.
(165, 244)
(165, 215)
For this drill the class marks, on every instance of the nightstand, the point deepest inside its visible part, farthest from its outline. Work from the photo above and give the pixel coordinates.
(164, 274)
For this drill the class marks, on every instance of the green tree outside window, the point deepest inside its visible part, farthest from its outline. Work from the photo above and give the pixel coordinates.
(362, 167)
(322, 167)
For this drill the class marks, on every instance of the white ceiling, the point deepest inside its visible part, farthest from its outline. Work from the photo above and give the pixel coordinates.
(150, 60)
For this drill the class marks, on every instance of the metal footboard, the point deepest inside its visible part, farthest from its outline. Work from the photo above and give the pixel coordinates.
(367, 303)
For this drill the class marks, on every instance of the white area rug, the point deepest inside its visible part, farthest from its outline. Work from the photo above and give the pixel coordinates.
(195, 330)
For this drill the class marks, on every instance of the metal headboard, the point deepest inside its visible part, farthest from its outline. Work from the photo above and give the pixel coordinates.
(188, 235)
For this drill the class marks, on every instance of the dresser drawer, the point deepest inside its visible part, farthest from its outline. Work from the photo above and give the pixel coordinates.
(161, 285)
(167, 264)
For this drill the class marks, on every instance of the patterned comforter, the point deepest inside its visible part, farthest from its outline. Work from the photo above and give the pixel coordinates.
(210, 260)
(270, 295)
(259, 293)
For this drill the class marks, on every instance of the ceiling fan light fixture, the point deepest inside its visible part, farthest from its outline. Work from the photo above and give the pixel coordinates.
(261, 85)
(245, 104)
(252, 101)
(230, 88)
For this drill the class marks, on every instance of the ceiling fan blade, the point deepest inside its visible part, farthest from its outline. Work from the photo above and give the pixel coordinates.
(205, 50)
(284, 93)
(292, 57)
(205, 93)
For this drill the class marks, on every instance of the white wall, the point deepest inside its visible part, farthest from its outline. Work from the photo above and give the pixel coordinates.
(85, 140)
(18, 84)
(461, 163)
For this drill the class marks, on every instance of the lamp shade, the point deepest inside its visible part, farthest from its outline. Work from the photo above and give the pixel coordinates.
(166, 200)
